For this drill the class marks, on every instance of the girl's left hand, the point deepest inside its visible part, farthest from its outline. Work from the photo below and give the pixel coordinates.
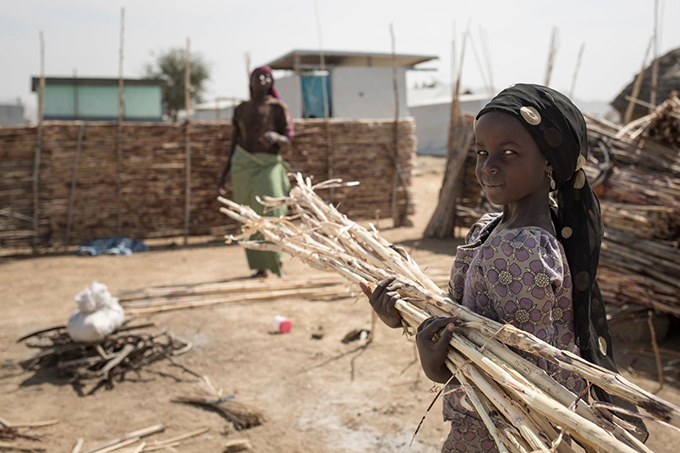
(433, 350)
(270, 138)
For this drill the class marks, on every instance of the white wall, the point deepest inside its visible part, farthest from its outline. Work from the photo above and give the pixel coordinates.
(290, 91)
(225, 114)
(432, 122)
(432, 125)
(12, 115)
(366, 92)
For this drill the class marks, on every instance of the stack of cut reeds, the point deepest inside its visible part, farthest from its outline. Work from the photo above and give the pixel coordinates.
(634, 186)
(665, 125)
(640, 261)
(641, 221)
(649, 142)
(535, 410)
(640, 272)
(78, 173)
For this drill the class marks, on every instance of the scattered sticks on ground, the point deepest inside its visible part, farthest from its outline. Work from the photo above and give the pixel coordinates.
(149, 301)
(135, 437)
(10, 432)
(104, 363)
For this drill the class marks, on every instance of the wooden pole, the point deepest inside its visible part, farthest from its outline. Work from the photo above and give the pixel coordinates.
(480, 66)
(655, 347)
(455, 106)
(578, 66)
(636, 86)
(455, 125)
(655, 62)
(400, 216)
(37, 155)
(487, 57)
(453, 62)
(187, 166)
(551, 56)
(74, 181)
(119, 138)
(395, 143)
(247, 58)
(326, 107)
(75, 94)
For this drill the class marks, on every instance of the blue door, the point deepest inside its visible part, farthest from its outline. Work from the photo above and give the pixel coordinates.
(316, 88)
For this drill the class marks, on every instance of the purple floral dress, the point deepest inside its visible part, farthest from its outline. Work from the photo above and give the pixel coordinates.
(517, 276)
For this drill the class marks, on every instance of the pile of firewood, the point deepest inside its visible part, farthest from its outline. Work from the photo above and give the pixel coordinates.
(100, 364)
(664, 127)
(640, 260)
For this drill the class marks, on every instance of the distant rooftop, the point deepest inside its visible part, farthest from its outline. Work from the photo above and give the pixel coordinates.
(35, 81)
(311, 59)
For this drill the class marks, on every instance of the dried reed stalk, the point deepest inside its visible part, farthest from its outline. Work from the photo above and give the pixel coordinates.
(126, 439)
(533, 407)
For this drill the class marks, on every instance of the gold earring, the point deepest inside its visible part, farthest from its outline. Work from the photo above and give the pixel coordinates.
(552, 181)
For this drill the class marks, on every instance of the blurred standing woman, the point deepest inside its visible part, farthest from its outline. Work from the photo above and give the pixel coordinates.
(262, 128)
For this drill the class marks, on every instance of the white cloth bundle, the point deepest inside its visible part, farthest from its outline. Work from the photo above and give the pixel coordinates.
(98, 314)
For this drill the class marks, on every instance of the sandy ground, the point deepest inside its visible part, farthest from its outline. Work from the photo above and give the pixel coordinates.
(318, 395)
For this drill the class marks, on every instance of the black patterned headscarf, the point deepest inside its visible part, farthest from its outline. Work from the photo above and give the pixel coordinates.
(559, 129)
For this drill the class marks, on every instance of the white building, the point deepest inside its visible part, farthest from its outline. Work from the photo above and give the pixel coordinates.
(221, 109)
(354, 84)
(12, 114)
(430, 107)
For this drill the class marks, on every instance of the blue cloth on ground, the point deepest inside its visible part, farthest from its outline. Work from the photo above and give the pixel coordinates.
(111, 246)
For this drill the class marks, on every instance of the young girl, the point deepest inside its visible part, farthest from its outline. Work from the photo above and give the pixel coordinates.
(534, 264)
(262, 127)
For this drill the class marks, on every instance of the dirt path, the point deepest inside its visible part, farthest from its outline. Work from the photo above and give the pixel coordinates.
(318, 395)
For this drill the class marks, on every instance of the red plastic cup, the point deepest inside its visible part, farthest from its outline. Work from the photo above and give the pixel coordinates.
(281, 324)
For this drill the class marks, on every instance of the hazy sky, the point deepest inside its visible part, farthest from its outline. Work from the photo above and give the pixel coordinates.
(83, 35)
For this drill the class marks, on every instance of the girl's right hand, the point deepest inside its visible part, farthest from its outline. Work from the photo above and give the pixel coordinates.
(433, 348)
(383, 298)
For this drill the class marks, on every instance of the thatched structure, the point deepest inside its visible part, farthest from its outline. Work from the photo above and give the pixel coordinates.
(669, 80)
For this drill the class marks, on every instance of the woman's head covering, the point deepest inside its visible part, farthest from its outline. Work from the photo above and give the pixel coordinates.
(273, 93)
(559, 129)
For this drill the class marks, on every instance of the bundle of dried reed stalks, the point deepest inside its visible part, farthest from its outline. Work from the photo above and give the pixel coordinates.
(535, 411)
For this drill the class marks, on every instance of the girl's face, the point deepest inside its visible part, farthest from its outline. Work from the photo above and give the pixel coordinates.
(261, 82)
(510, 166)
